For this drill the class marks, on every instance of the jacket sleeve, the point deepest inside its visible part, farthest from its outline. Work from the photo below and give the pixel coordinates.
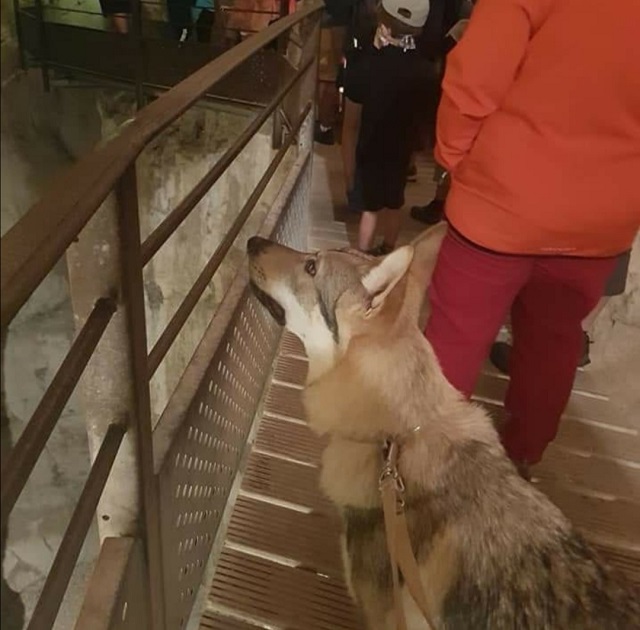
(480, 70)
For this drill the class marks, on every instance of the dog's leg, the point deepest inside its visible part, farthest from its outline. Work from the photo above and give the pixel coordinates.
(374, 615)
(377, 608)
(346, 565)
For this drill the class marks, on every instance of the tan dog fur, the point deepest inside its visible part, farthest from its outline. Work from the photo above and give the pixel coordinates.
(493, 552)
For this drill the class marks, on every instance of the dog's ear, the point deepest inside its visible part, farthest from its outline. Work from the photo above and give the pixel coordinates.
(380, 280)
(426, 247)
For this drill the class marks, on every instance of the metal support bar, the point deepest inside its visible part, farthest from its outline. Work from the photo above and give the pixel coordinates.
(133, 293)
(136, 34)
(20, 38)
(116, 594)
(18, 465)
(284, 38)
(44, 48)
(163, 232)
(64, 563)
(181, 315)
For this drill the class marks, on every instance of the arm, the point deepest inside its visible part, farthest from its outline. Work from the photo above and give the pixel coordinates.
(480, 71)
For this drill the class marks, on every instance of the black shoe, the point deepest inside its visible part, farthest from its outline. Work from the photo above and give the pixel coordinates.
(499, 356)
(324, 136)
(412, 174)
(430, 214)
(500, 352)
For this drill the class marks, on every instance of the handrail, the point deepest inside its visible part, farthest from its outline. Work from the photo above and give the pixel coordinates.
(33, 245)
(163, 232)
(174, 326)
(18, 464)
(64, 563)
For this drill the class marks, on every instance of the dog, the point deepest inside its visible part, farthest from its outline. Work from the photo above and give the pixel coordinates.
(493, 552)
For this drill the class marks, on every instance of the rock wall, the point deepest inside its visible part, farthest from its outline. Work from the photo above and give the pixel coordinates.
(41, 135)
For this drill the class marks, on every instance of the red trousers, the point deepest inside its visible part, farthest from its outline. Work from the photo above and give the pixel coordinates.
(471, 294)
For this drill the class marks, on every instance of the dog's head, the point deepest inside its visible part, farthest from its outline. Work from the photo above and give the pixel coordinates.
(328, 297)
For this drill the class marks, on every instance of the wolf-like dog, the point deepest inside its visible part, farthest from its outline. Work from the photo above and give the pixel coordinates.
(493, 552)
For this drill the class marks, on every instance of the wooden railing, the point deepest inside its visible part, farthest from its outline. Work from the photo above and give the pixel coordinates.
(32, 247)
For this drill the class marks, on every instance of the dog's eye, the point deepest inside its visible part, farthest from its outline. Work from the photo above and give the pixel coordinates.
(310, 267)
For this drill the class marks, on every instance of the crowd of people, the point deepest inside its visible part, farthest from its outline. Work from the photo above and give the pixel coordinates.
(537, 146)
(532, 111)
(203, 21)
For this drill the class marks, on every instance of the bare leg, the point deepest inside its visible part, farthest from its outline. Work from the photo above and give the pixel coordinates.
(120, 23)
(350, 131)
(390, 225)
(589, 320)
(367, 230)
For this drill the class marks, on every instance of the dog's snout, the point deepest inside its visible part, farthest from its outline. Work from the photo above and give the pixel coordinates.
(256, 244)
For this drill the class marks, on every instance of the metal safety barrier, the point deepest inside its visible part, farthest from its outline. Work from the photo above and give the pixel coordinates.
(69, 44)
(186, 464)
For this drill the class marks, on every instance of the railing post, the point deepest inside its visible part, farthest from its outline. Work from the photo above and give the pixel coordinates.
(111, 384)
(283, 40)
(138, 45)
(19, 36)
(306, 89)
(44, 48)
(133, 294)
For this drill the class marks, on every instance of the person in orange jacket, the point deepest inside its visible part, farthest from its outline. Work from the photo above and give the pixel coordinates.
(539, 128)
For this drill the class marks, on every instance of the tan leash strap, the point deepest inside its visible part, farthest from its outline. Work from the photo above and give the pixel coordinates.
(409, 567)
(398, 541)
(390, 524)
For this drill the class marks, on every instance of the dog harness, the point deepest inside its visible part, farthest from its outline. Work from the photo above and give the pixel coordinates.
(392, 490)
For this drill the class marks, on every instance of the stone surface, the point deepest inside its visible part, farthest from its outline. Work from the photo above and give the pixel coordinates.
(42, 134)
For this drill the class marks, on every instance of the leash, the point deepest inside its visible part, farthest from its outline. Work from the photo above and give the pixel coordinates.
(392, 489)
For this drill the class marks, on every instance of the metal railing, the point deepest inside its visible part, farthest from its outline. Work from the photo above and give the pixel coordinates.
(32, 247)
(73, 41)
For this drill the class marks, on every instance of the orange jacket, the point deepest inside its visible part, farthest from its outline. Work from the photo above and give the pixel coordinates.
(539, 124)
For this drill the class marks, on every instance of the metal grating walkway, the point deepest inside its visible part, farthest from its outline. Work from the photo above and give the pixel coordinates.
(280, 565)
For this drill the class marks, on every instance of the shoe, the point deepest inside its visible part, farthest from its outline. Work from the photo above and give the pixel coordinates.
(499, 356)
(381, 250)
(500, 352)
(430, 214)
(324, 135)
(412, 174)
